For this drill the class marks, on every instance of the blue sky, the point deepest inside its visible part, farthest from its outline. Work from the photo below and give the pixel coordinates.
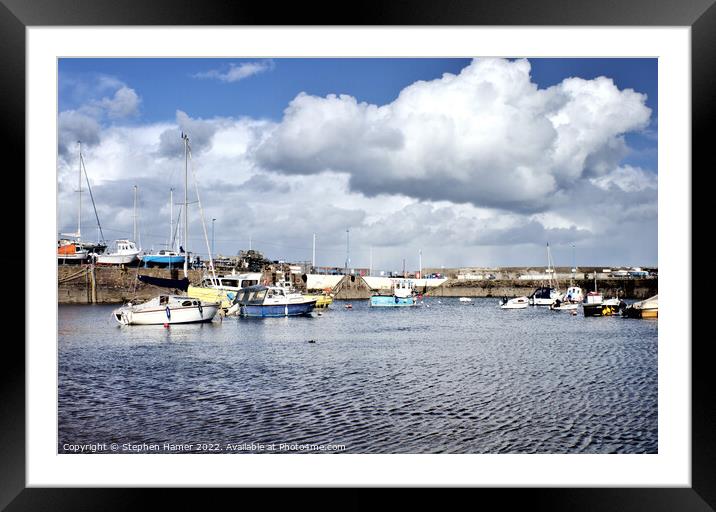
(98, 98)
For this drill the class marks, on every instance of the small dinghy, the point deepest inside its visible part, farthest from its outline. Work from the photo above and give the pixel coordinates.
(515, 303)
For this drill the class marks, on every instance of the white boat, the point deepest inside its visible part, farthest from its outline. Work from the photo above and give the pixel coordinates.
(166, 309)
(569, 301)
(515, 303)
(465, 299)
(124, 253)
(558, 305)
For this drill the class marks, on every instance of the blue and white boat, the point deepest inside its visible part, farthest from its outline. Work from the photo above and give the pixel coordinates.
(163, 258)
(403, 295)
(270, 301)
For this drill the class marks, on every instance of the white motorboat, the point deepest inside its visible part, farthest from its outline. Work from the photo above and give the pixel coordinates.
(465, 299)
(124, 253)
(166, 309)
(515, 303)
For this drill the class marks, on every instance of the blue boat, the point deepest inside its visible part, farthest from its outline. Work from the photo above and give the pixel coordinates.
(403, 295)
(163, 258)
(270, 301)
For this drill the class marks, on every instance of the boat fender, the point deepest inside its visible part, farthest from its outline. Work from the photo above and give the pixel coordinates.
(169, 313)
(397, 300)
(230, 295)
(201, 310)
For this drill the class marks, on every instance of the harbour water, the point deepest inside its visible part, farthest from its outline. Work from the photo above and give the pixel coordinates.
(447, 377)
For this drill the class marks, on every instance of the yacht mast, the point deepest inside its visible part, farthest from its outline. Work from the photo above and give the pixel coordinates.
(170, 245)
(186, 202)
(79, 190)
(134, 236)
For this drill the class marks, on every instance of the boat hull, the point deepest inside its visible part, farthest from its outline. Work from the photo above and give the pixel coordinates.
(163, 261)
(159, 316)
(277, 310)
(599, 310)
(391, 301)
(116, 259)
(322, 301)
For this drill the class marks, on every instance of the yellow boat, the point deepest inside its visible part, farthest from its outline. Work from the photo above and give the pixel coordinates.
(223, 289)
(323, 300)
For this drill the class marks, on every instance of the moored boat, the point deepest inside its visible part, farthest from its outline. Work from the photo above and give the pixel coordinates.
(515, 303)
(543, 296)
(403, 294)
(270, 301)
(648, 308)
(166, 309)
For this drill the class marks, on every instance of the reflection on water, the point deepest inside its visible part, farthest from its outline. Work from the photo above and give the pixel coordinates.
(448, 378)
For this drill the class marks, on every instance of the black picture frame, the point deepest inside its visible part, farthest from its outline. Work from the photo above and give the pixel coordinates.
(700, 15)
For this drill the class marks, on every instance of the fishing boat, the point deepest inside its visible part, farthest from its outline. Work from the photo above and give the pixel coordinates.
(648, 308)
(166, 309)
(403, 294)
(124, 252)
(224, 288)
(270, 301)
(569, 301)
(594, 303)
(515, 303)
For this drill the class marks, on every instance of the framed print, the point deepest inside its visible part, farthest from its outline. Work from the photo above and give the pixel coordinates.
(244, 327)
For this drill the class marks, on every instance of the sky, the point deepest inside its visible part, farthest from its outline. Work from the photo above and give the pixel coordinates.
(451, 162)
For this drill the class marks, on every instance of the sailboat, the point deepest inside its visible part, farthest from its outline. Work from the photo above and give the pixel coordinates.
(167, 257)
(546, 295)
(124, 251)
(73, 249)
(170, 309)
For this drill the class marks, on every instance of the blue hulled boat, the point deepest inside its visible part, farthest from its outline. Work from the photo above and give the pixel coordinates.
(403, 295)
(163, 258)
(270, 301)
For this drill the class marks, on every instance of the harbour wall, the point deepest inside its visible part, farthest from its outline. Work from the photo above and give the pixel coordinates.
(637, 289)
(87, 284)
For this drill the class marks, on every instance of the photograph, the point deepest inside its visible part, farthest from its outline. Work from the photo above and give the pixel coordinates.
(344, 255)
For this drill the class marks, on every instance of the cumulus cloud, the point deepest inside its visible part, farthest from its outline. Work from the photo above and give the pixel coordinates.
(488, 136)
(200, 132)
(627, 178)
(236, 72)
(124, 103)
(100, 98)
